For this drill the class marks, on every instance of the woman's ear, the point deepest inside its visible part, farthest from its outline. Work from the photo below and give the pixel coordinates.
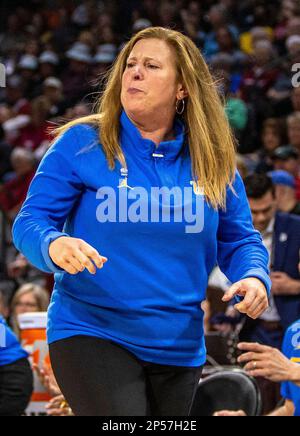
(181, 92)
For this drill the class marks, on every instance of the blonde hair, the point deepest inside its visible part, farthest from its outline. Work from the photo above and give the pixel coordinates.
(41, 296)
(211, 143)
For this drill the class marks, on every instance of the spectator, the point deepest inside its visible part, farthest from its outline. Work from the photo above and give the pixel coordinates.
(281, 237)
(28, 298)
(227, 43)
(289, 104)
(168, 13)
(53, 93)
(20, 271)
(287, 158)
(36, 132)
(236, 109)
(256, 34)
(102, 61)
(13, 192)
(260, 77)
(27, 69)
(16, 112)
(13, 36)
(15, 96)
(273, 136)
(217, 18)
(48, 66)
(288, 10)
(48, 62)
(192, 19)
(75, 77)
(285, 191)
(293, 123)
(293, 27)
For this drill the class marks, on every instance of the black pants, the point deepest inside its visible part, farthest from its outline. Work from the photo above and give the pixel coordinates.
(16, 384)
(100, 378)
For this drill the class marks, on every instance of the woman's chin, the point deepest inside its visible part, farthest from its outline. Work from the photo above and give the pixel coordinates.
(136, 109)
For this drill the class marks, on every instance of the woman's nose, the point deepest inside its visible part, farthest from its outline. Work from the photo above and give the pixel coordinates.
(137, 72)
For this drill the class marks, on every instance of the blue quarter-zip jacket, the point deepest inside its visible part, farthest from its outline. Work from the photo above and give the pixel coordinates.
(148, 295)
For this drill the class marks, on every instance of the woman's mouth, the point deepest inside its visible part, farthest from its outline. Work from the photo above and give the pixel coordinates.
(134, 90)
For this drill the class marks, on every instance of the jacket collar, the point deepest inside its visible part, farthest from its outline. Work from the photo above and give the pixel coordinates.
(146, 148)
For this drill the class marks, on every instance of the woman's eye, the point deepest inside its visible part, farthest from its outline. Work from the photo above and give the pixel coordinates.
(130, 65)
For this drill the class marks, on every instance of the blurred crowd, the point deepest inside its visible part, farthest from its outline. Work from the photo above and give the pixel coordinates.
(55, 54)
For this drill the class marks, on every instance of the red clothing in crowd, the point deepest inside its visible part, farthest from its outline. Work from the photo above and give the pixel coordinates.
(31, 137)
(14, 191)
(22, 107)
(259, 78)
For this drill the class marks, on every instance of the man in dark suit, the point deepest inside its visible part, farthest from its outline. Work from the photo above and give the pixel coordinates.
(281, 236)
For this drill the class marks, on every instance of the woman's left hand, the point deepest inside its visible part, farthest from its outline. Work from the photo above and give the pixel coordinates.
(255, 295)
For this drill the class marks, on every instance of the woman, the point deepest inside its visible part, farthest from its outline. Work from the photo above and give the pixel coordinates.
(273, 136)
(28, 298)
(132, 331)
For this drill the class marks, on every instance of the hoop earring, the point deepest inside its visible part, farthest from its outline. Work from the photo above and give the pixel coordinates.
(180, 111)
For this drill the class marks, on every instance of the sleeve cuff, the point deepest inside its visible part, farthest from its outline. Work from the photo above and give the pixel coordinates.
(45, 251)
(262, 276)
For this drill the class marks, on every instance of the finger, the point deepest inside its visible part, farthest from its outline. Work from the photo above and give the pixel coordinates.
(56, 400)
(249, 302)
(76, 264)
(222, 413)
(229, 413)
(55, 412)
(232, 292)
(84, 261)
(258, 307)
(255, 347)
(261, 299)
(247, 357)
(259, 311)
(259, 373)
(53, 403)
(94, 255)
(69, 268)
(256, 365)
(260, 304)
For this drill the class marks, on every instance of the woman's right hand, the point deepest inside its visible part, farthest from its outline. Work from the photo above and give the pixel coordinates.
(74, 255)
